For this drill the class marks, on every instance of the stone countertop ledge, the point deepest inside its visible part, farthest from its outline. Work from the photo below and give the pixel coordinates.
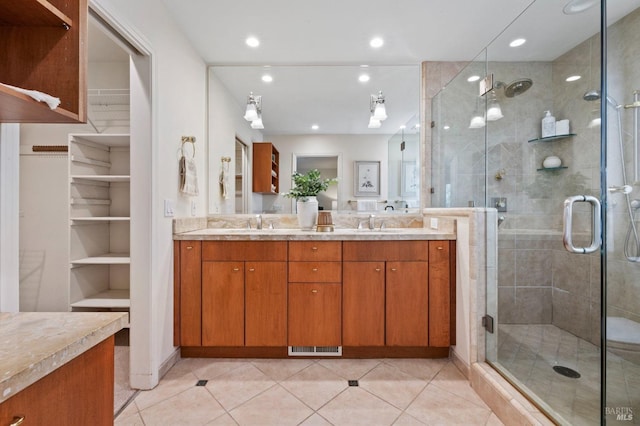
(226, 234)
(33, 344)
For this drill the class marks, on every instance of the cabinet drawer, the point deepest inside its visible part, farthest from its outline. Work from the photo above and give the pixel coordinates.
(361, 251)
(244, 250)
(315, 272)
(315, 251)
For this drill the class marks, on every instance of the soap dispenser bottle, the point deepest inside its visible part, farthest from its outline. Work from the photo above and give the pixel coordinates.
(548, 125)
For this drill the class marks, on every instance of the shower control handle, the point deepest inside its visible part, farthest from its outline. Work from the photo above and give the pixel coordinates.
(567, 224)
(625, 189)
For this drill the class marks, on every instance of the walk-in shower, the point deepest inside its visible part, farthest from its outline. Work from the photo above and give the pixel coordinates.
(566, 326)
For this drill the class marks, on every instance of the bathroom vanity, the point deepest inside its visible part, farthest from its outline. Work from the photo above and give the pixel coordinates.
(285, 292)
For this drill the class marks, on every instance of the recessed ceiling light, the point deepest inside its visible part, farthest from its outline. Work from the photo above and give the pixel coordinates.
(252, 42)
(518, 42)
(315, 127)
(578, 6)
(364, 78)
(376, 42)
(417, 126)
(446, 127)
(574, 78)
(403, 127)
(267, 78)
(473, 78)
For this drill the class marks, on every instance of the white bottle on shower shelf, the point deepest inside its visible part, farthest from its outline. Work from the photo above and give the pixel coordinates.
(548, 125)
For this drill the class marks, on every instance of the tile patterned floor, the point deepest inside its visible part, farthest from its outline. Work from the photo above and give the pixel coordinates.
(528, 354)
(310, 392)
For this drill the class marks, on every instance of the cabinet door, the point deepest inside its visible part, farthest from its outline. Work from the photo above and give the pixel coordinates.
(190, 297)
(363, 303)
(407, 306)
(439, 294)
(222, 303)
(266, 303)
(314, 314)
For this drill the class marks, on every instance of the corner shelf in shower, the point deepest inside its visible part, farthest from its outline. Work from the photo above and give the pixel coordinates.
(552, 138)
(551, 169)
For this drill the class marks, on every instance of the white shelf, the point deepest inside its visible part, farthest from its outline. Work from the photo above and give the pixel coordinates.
(90, 201)
(105, 259)
(103, 219)
(89, 161)
(102, 178)
(115, 299)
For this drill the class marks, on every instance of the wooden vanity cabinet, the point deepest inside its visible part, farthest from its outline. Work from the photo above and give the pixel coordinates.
(188, 293)
(397, 293)
(315, 299)
(244, 293)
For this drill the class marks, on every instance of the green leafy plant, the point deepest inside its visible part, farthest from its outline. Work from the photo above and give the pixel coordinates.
(308, 185)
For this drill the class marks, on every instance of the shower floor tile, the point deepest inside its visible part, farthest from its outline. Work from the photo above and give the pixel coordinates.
(528, 353)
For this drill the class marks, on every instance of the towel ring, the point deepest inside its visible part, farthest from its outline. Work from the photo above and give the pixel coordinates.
(192, 141)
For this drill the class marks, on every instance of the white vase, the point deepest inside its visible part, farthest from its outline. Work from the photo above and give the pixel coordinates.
(307, 213)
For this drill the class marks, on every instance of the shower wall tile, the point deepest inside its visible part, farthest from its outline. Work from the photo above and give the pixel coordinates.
(571, 313)
(533, 268)
(529, 305)
(506, 267)
(572, 273)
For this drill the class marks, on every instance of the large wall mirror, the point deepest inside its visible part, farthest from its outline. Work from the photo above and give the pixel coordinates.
(313, 114)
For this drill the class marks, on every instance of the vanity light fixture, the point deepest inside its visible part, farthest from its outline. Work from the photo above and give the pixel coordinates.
(373, 123)
(518, 42)
(257, 123)
(573, 78)
(477, 121)
(377, 108)
(494, 112)
(254, 107)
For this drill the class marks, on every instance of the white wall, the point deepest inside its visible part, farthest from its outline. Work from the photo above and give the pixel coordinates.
(178, 92)
(225, 124)
(9, 194)
(350, 147)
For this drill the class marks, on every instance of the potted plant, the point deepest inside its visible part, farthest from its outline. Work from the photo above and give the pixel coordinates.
(305, 189)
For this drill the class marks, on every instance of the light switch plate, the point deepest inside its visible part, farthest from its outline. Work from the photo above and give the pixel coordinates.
(194, 207)
(169, 208)
(434, 223)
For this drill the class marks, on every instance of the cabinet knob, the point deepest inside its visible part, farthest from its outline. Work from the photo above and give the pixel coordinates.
(314, 248)
(393, 269)
(252, 269)
(314, 291)
(440, 247)
(236, 269)
(314, 269)
(17, 420)
(189, 247)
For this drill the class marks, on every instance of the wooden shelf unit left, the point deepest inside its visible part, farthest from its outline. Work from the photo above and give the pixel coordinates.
(44, 46)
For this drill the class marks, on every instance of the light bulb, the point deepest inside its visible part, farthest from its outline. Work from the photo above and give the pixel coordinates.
(374, 123)
(251, 112)
(257, 123)
(380, 112)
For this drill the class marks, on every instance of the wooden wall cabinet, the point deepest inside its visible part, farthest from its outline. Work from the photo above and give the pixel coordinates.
(266, 171)
(44, 48)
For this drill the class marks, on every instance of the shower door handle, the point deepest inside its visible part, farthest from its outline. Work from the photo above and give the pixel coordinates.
(567, 224)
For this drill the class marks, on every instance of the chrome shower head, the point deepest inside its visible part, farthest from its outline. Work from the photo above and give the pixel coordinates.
(594, 95)
(518, 87)
(591, 95)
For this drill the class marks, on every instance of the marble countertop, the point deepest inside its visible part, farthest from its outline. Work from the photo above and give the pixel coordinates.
(227, 234)
(33, 344)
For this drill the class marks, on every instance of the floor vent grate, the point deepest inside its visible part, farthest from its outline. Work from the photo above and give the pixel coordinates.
(201, 383)
(353, 383)
(315, 350)
(566, 371)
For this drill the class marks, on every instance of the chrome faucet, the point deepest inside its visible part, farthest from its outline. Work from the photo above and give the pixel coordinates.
(258, 221)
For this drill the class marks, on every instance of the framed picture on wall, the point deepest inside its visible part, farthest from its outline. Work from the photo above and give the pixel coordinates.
(409, 179)
(367, 178)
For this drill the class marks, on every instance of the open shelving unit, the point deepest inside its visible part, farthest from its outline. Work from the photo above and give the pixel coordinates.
(266, 171)
(99, 197)
(54, 34)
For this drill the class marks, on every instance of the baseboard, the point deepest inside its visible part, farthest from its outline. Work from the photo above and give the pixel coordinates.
(169, 362)
(459, 362)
